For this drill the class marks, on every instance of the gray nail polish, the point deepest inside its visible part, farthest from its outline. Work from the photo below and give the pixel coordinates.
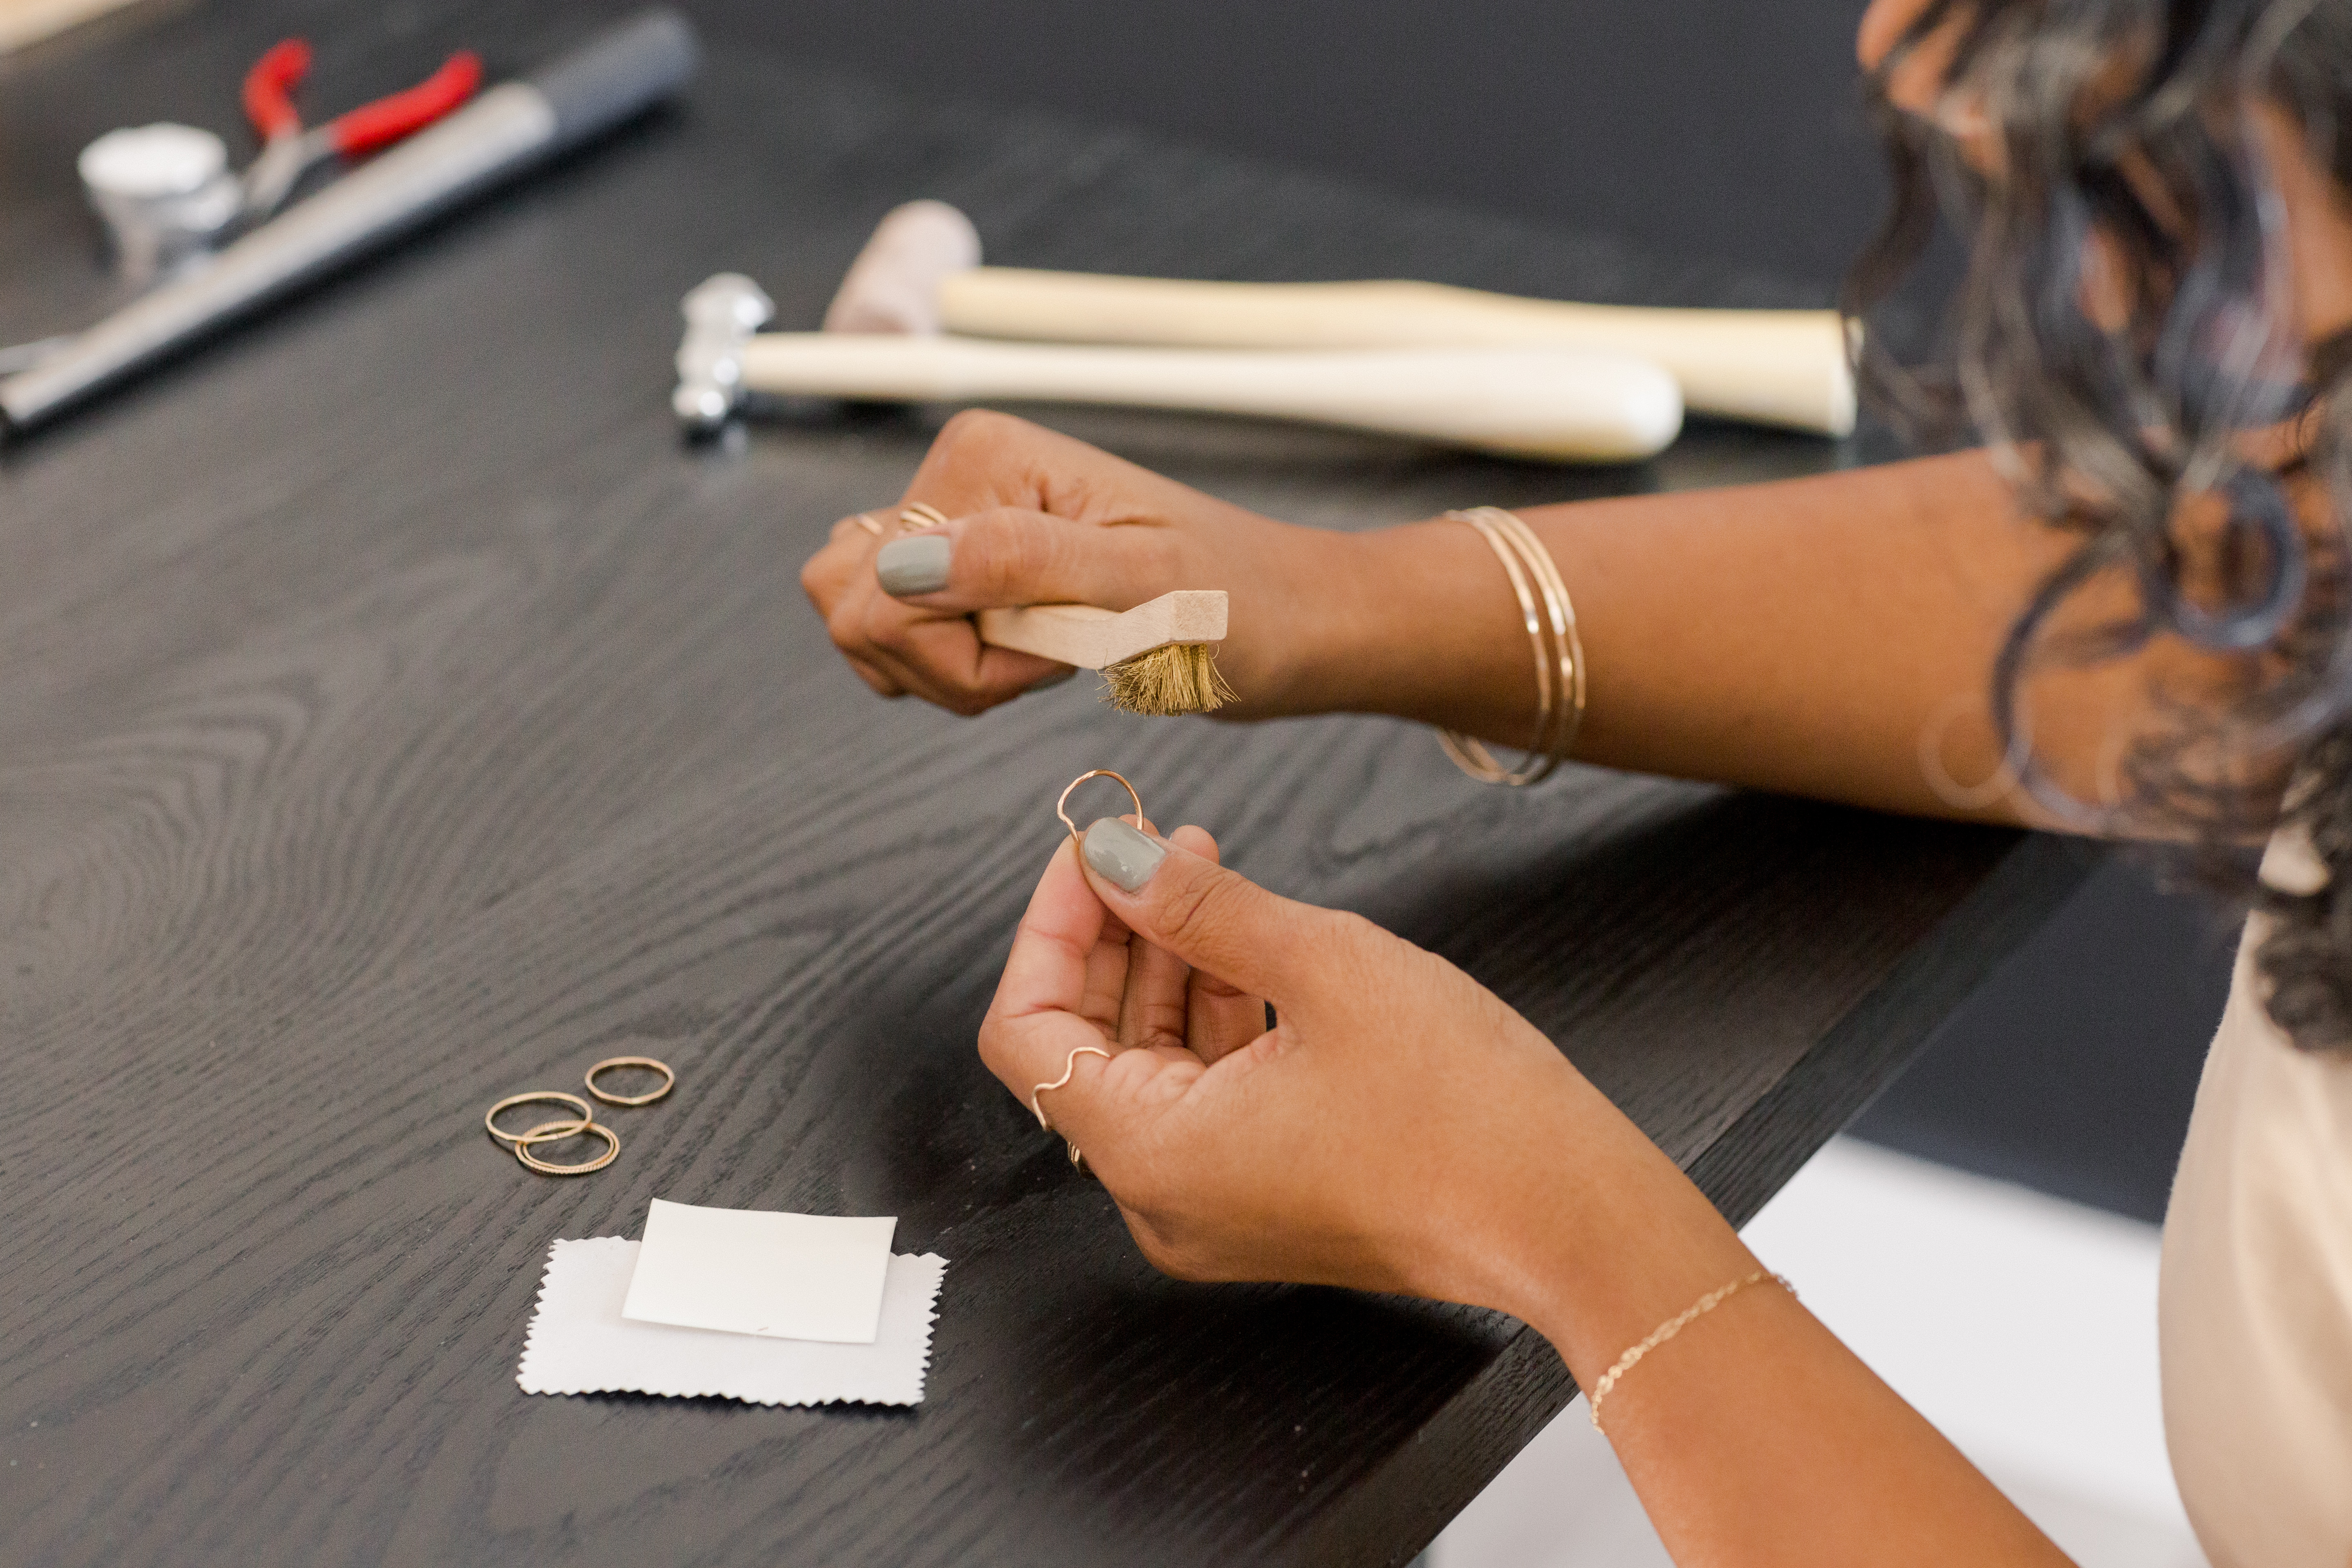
(916, 565)
(1122, 854)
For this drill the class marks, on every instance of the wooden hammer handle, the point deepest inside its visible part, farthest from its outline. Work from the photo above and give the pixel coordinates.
(1773, 367)
(1534, 402)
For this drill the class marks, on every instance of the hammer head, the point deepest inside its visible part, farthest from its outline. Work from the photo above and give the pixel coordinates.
(720, 313)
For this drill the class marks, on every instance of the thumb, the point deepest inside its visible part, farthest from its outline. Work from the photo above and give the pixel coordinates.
(1007, 556)
(1211, 918)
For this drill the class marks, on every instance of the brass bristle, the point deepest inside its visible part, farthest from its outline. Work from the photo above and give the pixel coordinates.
(1179, 678)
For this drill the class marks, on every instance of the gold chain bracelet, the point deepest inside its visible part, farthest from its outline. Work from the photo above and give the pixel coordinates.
(1670, 1328)
(1550, 622)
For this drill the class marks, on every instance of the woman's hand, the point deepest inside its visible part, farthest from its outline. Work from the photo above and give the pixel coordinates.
(1402, 1130)
(1394, 1131)
(1038, 518)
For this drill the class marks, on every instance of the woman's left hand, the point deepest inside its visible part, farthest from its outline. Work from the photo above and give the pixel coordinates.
(1399, 1129)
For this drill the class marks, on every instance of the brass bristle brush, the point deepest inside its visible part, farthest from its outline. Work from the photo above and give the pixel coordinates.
(1158, 658)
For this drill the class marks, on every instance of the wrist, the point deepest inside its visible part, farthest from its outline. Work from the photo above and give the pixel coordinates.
(1431, 633)
(1582, 1229)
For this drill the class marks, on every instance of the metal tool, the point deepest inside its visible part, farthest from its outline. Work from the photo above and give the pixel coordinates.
(165, 194)
(721, 313)
(168, 199)
(510, 128)
(288, 151)
(1547, 403)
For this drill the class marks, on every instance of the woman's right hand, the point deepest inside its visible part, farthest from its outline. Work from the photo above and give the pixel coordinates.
(1036, 518)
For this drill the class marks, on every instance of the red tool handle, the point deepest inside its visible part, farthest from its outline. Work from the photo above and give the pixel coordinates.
(269, 88)
(372, 125)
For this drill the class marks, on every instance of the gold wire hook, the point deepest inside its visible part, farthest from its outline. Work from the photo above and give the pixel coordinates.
(1098, 773)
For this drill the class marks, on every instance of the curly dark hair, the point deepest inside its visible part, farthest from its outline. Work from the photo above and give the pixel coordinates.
(2125, 140)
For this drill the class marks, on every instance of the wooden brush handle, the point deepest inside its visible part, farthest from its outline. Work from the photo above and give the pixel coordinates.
(1533, 403)
(1773, 367)
(1091, 639)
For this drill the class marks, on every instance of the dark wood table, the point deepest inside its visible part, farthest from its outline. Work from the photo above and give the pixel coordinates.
(394, 715)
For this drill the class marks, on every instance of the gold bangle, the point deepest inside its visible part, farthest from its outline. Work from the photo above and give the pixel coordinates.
(1549, 617)
(1670, 1328)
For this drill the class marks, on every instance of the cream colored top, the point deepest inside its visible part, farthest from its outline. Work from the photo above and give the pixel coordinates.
(2256, 1306)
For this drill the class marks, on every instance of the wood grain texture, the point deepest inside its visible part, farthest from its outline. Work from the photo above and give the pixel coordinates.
(394, 715)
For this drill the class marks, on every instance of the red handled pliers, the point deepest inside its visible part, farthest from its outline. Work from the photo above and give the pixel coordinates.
(288, 150)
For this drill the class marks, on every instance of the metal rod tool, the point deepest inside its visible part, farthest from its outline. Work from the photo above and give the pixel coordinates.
(503, 133)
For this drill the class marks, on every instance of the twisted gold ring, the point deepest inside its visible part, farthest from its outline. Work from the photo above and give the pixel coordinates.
(921, 515)
(555, 1133)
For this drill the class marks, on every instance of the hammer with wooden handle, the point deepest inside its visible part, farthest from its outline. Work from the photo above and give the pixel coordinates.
(1546, 404)
(921, 273)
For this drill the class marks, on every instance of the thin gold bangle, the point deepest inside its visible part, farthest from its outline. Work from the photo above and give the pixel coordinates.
(1670, 1328)
(1549, 619)
(1568, 644)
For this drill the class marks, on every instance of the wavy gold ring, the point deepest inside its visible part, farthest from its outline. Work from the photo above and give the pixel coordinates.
(921, 515)
(1067, 1068)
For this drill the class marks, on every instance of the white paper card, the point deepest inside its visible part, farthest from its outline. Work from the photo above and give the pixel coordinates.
(580, 1343)
(783, 1276)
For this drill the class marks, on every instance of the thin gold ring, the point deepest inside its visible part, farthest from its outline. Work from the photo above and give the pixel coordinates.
(868, 525)
(1098, 773)
(1067, 1068)
(538, 1097)
(556, 1131)
(669, 1079)
(922, 514)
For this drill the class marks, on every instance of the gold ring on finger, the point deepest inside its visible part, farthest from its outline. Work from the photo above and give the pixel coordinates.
(868, 525)
(921, 515)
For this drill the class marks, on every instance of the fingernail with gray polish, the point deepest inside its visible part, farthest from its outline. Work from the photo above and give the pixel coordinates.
(1123, 854)
(916, 565)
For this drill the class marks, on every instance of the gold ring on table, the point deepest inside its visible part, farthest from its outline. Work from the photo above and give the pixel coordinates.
(538, 1097)
(1097, 773)
(868, 525)
(555, 1133)
(1067, 1068)
(921, 515)
(669, 1079)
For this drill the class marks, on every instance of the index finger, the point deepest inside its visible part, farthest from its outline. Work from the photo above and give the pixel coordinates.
(1064, 922)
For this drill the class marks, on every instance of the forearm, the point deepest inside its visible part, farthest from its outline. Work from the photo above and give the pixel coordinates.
(1753, 1437)
(1809, 637)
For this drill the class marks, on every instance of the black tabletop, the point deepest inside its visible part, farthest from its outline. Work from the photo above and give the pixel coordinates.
(394, 714)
